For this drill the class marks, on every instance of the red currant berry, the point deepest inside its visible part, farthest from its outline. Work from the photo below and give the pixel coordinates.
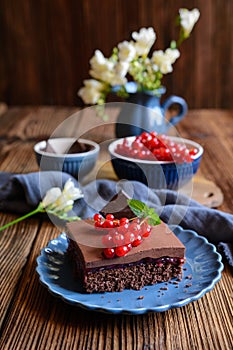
(123, 228)
(146, 230)
(129, 246)
(137, 241)
(109, 253)
(110, 217)
(108, 224)
(118, 239)
(107, 241)
(97, 217)
(99, 224)
(129, 237)
(124, 221)
(122, 250)
(135, 228)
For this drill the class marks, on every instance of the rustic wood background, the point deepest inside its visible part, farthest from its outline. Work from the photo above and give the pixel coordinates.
(46, 45)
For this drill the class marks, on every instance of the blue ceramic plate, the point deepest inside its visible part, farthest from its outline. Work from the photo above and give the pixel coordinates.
(201, 271)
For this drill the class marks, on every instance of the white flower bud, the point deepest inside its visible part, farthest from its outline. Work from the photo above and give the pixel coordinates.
(188, 19)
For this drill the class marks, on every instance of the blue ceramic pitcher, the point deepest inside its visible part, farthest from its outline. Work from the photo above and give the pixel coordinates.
(143, 111)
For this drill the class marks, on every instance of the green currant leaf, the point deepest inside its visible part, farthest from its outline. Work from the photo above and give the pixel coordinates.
(141, 210)
(137, 207)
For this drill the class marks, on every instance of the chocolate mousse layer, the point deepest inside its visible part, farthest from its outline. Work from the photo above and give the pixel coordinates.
(157, 259)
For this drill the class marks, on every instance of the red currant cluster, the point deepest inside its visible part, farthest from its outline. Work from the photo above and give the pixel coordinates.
(122, 235)
(151, 146)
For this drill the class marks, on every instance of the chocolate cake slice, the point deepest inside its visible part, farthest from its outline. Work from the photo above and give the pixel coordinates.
(158, 258)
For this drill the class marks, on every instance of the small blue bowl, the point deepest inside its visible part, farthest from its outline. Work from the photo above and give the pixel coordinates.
(156, 174)
(76, 164)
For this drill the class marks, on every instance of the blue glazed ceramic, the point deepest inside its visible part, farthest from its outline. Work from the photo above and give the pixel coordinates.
(77, 164)
(143, 111)
(203, 264)
(156, 174)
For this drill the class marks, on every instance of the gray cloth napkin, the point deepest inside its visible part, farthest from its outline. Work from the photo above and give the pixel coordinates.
(21, 193)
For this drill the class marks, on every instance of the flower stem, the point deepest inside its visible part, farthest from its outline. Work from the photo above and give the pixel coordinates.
(37, 210)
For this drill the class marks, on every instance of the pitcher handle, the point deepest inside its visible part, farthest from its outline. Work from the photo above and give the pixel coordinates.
(182, 106)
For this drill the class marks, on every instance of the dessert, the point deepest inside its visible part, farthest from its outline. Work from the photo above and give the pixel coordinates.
(130, 254)
(75, 147)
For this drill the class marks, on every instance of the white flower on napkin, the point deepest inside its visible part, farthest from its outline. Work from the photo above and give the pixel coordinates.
(56, 202)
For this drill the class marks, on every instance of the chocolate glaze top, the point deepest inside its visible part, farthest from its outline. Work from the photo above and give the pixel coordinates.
(118, 206)
(161, 242)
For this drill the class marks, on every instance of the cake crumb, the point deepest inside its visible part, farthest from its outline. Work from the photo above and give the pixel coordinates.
(164, 288)
(140, 297)
(188, 285)
(189, 277)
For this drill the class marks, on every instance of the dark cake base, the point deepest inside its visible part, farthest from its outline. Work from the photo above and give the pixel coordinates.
(132, 276)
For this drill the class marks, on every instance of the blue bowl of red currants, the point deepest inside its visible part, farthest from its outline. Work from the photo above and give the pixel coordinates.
(159, 161)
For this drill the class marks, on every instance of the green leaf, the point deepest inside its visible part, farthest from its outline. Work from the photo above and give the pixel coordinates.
(142, 211)
(137, 207)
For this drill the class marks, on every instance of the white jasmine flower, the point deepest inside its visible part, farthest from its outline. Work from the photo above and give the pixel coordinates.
(91, 92)
(145, 38)
(72, 192)
(173, 54)
(61, 204)
(119, 73)
(121, 69)
(51, 196)
(56, 202)
(164, 60)
(127, 51)
(117, 80)
(188, 19)
(101, 67)
(99, 62)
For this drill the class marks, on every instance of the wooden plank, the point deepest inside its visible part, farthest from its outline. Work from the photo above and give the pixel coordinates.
(16, 243)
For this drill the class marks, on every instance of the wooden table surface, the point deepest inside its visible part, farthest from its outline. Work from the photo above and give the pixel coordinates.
(32, 318)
